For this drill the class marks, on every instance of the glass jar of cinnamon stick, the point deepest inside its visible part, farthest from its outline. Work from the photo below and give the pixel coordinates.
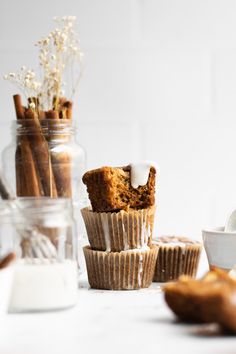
(44, 159)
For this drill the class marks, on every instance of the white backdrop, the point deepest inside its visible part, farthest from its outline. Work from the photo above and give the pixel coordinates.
(159, 84)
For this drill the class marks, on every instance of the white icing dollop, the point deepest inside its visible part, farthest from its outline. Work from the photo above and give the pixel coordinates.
(140, 173)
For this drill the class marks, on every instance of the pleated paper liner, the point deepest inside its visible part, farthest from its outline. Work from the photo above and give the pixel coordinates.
(126, 270)
(176, 260)
(119, 231)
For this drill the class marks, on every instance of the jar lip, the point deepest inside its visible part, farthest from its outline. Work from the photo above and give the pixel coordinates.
(35, 205)
(62, 120)
(47, 126)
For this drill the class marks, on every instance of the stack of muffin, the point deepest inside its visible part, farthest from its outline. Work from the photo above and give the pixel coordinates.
(119, 225)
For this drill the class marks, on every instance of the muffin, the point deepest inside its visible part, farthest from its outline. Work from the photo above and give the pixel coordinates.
(208, 300)
(177, 256)
(126, 270)
(119, 231)
(111, 189)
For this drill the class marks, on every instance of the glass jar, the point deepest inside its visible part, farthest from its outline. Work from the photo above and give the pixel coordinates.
(44, 159)
(7, 232)
(46, 270)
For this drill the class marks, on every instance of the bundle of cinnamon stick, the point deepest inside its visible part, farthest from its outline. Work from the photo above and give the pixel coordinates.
(43, 168)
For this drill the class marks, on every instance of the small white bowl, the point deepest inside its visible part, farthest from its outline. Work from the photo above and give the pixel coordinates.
(220, 247)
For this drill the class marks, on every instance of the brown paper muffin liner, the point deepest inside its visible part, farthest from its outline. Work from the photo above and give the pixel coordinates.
(173, 261)
(119, 231)
(127, 270)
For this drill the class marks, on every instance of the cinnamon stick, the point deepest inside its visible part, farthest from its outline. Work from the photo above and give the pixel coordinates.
(27, 183)
(21, 186)
(20, 178)
(58, 103)
(51, 114)
(61, 159)
(20, 111)
(61, 165)
(42, 115)
(33, 185)
(7, 260)
(41, 155)
(68, 105)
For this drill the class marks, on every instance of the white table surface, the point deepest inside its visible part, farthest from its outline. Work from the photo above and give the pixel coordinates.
(110, 322)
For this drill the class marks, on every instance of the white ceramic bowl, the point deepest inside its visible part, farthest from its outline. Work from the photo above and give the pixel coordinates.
(220, 247)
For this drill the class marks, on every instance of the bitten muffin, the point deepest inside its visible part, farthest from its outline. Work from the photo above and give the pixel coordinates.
(126, 270)
(177, 256)
(119, 231)
(208, 300)
(110, 189)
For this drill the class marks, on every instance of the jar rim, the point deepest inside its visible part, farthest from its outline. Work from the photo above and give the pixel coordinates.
(57, 127)
(35, 205)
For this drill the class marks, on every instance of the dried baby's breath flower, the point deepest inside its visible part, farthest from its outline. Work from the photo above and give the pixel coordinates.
(25, 80)
(60, 58)
(59, 52)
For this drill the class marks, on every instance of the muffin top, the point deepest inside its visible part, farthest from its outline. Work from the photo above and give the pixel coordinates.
(118, 188)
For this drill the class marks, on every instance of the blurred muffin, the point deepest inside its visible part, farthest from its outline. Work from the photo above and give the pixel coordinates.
(177, 256)
(208, 300)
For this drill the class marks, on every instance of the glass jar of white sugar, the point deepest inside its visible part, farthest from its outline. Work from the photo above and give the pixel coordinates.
(46, 271)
